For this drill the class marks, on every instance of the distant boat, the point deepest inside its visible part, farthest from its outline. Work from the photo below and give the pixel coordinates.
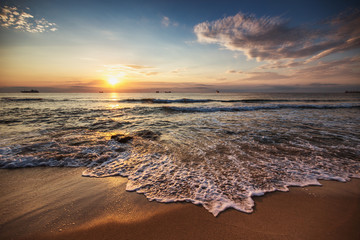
(157, 91)
(31, 91)
(217, 91)
(167, 91)
(101, 92)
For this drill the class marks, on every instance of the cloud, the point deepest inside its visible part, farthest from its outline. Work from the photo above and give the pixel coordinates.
(271, 38)
(178, 70)
(151, 73)
(125, 67)
(233, 71)
(131, 69)
(347, 69)
(166, 22)
(263, 76)
(13, 18)
(136, 66)
(282, 64)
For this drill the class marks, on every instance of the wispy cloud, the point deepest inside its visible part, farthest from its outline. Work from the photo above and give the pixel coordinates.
(263, 76)
(165, 21)
(131, 69)
(233, 71)
(126, 67)
(271, 38)
(283, 64)
(346, 69)
(133, 66)
(151, 73)
(179, 70)
(14, 18)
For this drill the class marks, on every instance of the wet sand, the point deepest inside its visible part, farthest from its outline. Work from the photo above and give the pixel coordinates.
(57, 203)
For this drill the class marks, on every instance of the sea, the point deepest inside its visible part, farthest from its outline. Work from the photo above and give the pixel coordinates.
(218, 150)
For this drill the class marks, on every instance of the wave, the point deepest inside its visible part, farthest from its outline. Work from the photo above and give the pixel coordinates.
(7, 99)
(187, 100)
(154, 100)
(261, 107)
(218, 161)
(14, 99)
(180, 100)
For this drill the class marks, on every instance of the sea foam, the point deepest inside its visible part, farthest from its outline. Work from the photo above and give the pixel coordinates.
(216, 151)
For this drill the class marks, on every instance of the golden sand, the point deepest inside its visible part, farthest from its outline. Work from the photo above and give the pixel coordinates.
(57, 203)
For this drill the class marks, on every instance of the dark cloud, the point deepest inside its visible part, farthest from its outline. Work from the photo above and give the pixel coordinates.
(271, 38)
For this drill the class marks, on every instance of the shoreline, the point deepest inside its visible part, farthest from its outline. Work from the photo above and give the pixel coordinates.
(58, 203)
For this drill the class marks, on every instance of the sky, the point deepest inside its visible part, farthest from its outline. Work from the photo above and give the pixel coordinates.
(179, 46)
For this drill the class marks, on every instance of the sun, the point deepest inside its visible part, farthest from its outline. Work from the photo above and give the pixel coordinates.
(113, 80)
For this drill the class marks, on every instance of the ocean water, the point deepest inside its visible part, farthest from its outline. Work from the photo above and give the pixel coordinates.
(217, 150)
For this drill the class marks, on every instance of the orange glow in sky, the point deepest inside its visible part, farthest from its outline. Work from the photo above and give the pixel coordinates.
(232, 46)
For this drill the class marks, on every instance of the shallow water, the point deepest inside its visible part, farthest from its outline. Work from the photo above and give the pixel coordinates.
(217, 150)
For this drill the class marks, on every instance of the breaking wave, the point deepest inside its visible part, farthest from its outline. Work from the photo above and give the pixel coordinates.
(216, 153)
(187, 100)
(261, 107)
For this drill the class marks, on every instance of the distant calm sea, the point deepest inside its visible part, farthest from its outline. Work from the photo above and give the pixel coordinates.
(217, 150)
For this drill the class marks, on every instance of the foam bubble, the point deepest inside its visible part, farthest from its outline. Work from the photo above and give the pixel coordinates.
(217, 152)
(216, 182)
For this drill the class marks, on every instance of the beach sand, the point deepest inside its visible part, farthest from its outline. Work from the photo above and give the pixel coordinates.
(58, 203)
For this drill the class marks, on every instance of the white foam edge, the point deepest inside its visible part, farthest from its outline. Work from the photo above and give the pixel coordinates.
(221, 203)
